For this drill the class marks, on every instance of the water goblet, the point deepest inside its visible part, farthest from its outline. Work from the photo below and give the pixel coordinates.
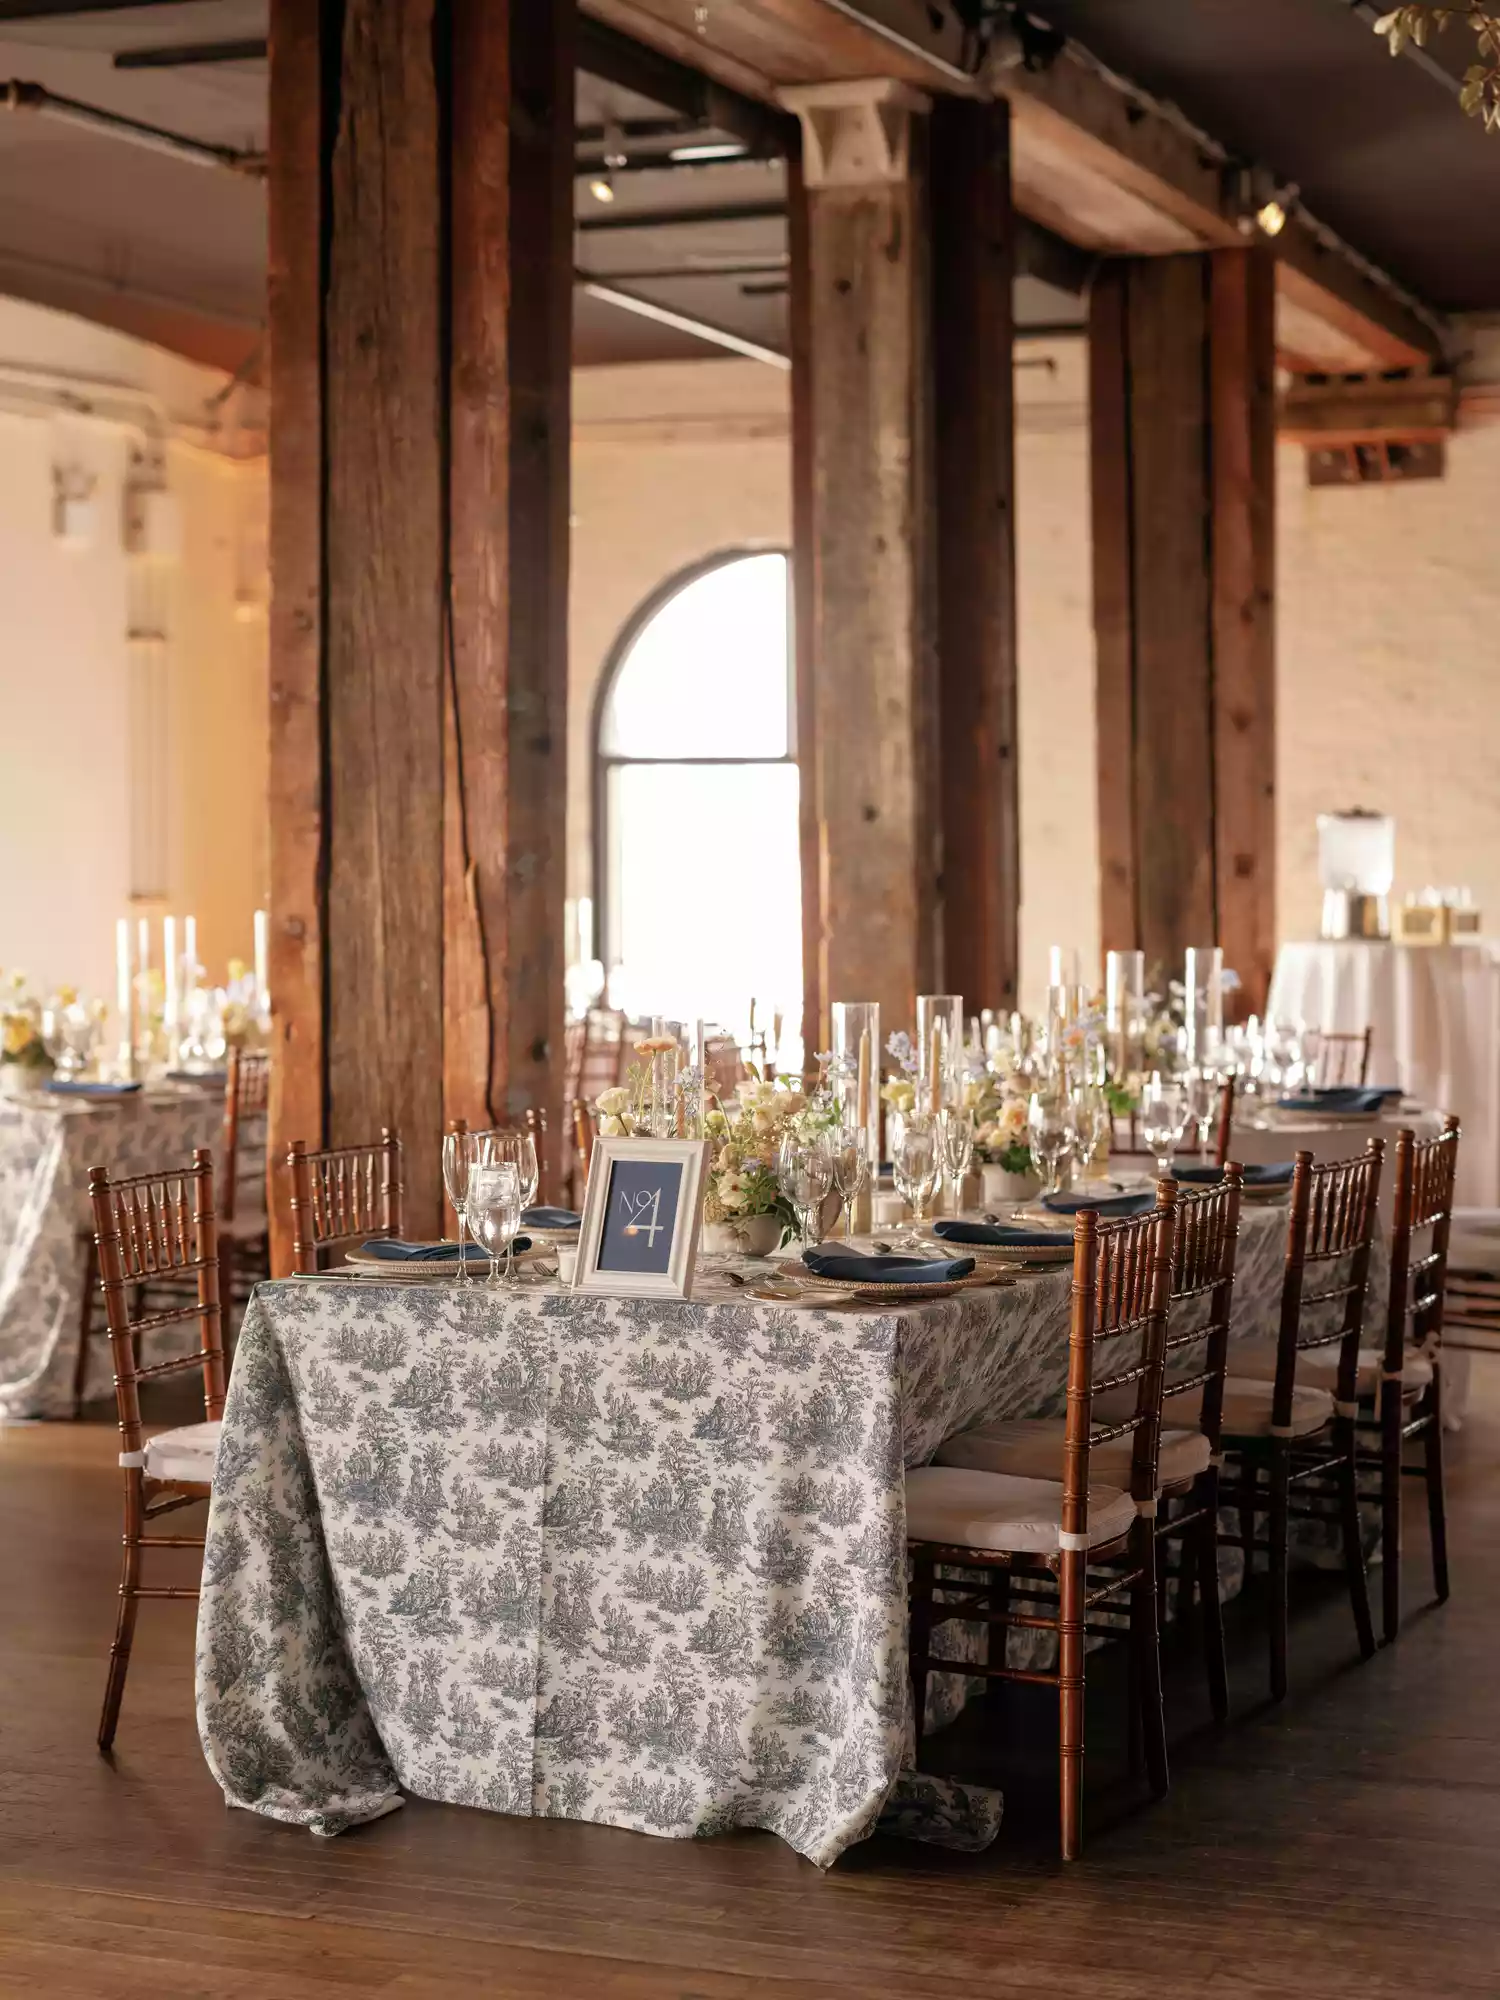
(1049, 1122)
(492, 1205)
(851, 1170)
(955, 1132)
(915, 1164)
(1163, 1120)
(806, 1174)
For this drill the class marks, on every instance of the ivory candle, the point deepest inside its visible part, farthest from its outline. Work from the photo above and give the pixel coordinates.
(171, 968)
(935, 1078)
(143, 945)
(1054, 965)
(190, 951)
(862, 1088)
(262, 961)
(125, 996)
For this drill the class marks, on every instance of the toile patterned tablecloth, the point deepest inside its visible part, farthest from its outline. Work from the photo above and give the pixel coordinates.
(633, 1561)
(47, 1146)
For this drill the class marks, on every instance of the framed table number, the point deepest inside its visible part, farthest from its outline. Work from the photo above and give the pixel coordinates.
(641, 1218)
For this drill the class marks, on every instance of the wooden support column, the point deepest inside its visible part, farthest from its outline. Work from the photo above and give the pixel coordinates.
(1182, 386)
(861, 408)
(973, 254)
(419, 464)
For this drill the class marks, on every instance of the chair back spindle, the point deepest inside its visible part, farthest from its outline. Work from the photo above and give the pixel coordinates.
(1331, 1222)
(1423, 1200)
(247, 1092)
(342, 1194)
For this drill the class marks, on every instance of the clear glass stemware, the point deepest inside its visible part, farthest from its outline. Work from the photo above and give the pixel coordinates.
(851, 1170)
(1049, 1121)
(805, 1169)
(459, 1154)
(492, 1204)
(1164, 1115)
(915, 1164)
(955, 1132)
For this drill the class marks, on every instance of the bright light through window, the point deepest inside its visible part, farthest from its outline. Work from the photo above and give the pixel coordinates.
(702, 880)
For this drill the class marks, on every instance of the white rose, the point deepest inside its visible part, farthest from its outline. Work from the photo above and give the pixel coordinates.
(612, 1128)
(610, 1103)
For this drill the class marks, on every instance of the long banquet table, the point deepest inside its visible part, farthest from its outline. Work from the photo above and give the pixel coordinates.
(631, 1561)
(47, 1145)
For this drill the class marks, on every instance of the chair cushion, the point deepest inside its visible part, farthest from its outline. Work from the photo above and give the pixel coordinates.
(1318, 1367)
(185, 1454)
(1032, 1448)
(990, 1510)
(1247, 1409)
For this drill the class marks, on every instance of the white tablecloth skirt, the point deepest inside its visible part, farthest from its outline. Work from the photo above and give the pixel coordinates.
(1434, 1015)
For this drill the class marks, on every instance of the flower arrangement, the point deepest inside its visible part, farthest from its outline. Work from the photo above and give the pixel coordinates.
(21, 1027)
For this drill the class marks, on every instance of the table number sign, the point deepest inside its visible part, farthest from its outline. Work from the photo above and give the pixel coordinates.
(641, 1217)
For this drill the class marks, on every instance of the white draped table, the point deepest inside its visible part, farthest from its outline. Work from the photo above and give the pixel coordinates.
(47, 1145)
(1434, 1016)
(635, 1561)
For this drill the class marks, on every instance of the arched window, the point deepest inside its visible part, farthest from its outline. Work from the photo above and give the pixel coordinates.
(697, 863)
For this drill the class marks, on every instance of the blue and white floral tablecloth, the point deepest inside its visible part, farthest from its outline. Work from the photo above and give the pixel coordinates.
(631, 1561)
(47, 1146)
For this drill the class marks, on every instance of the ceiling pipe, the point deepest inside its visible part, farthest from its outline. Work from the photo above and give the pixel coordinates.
(35, 97)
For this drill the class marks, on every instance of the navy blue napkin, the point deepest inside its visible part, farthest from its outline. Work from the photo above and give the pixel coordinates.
(550, 1218)
(1005, 1234)
(1108, 1204)
(1277, 1173)
(390, 1250)
(850, 1268)
(62, 1086)
(1347, 1097)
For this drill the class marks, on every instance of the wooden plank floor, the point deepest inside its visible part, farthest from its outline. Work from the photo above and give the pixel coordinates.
(1343, 1845)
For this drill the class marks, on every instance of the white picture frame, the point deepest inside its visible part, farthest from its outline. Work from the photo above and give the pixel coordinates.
(598, 1267)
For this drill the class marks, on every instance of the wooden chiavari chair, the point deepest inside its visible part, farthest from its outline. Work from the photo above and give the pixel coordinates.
(244, 1237)
(536, 1125)
(606, 1053)
(1202, 1296)
(1342, 1059)
(575, 1042)
(723, 1071)
(341, 1195)
(1065, 1549)
(1402, 1400)
(583, 1149)
(150, 1228)
(1290, 1430)
(1224, 1129)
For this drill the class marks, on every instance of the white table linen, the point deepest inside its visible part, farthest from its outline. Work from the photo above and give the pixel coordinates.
(47, 1146)
(1434, 1016)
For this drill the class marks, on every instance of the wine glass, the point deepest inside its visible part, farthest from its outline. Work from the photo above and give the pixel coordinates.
(1049, 1120)
(1201, 1092)
(915, 1163)
(806, 1174)
(492, 1205)
(1090, 1123)
(1163, 1119)
(460, 1153)
(851, 1170)
(955, 1133)
(516, 1149)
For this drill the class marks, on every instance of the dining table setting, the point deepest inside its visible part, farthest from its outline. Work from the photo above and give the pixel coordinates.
(601, 1515)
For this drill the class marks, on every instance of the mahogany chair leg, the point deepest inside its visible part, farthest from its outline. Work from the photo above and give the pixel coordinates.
(1392, 1451)
(1437, 1506)
(119, 1652)
(1354, 1550)
(1278, 1534)
(1206, 1495)
(999, 1635)
(919, 1649)
(85, 1323)
(1249, 1470)
(1145, 1641)
(1070, 1641)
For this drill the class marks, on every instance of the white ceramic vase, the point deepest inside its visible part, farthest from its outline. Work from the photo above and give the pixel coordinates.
(742, 1236)
(1000, 1186)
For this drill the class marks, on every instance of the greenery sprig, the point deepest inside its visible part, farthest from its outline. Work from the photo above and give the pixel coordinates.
(1480, 94)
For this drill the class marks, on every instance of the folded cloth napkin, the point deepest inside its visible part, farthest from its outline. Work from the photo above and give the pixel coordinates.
(849, 1267)
(391, 1250)
(1108, 1204)
(550, 1218)
(63, 1086)
(1346, 1097)
(1005, 1234)
(1276, 1173)
(197, 1076)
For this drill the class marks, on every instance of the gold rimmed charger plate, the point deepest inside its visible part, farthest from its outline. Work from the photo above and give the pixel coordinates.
(913, 1288)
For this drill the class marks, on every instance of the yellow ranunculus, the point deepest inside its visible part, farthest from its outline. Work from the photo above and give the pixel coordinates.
(18, 1033)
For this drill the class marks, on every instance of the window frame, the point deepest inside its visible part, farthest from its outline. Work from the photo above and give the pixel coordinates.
(602, 761)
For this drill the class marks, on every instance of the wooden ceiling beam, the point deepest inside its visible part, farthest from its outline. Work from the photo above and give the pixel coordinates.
(1094, 161)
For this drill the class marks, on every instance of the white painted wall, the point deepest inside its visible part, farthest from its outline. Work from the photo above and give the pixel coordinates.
(84, 400)
(1388, 637)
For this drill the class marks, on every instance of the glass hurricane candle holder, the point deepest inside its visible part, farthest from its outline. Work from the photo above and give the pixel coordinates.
(940, 1042)
(856, 1067)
